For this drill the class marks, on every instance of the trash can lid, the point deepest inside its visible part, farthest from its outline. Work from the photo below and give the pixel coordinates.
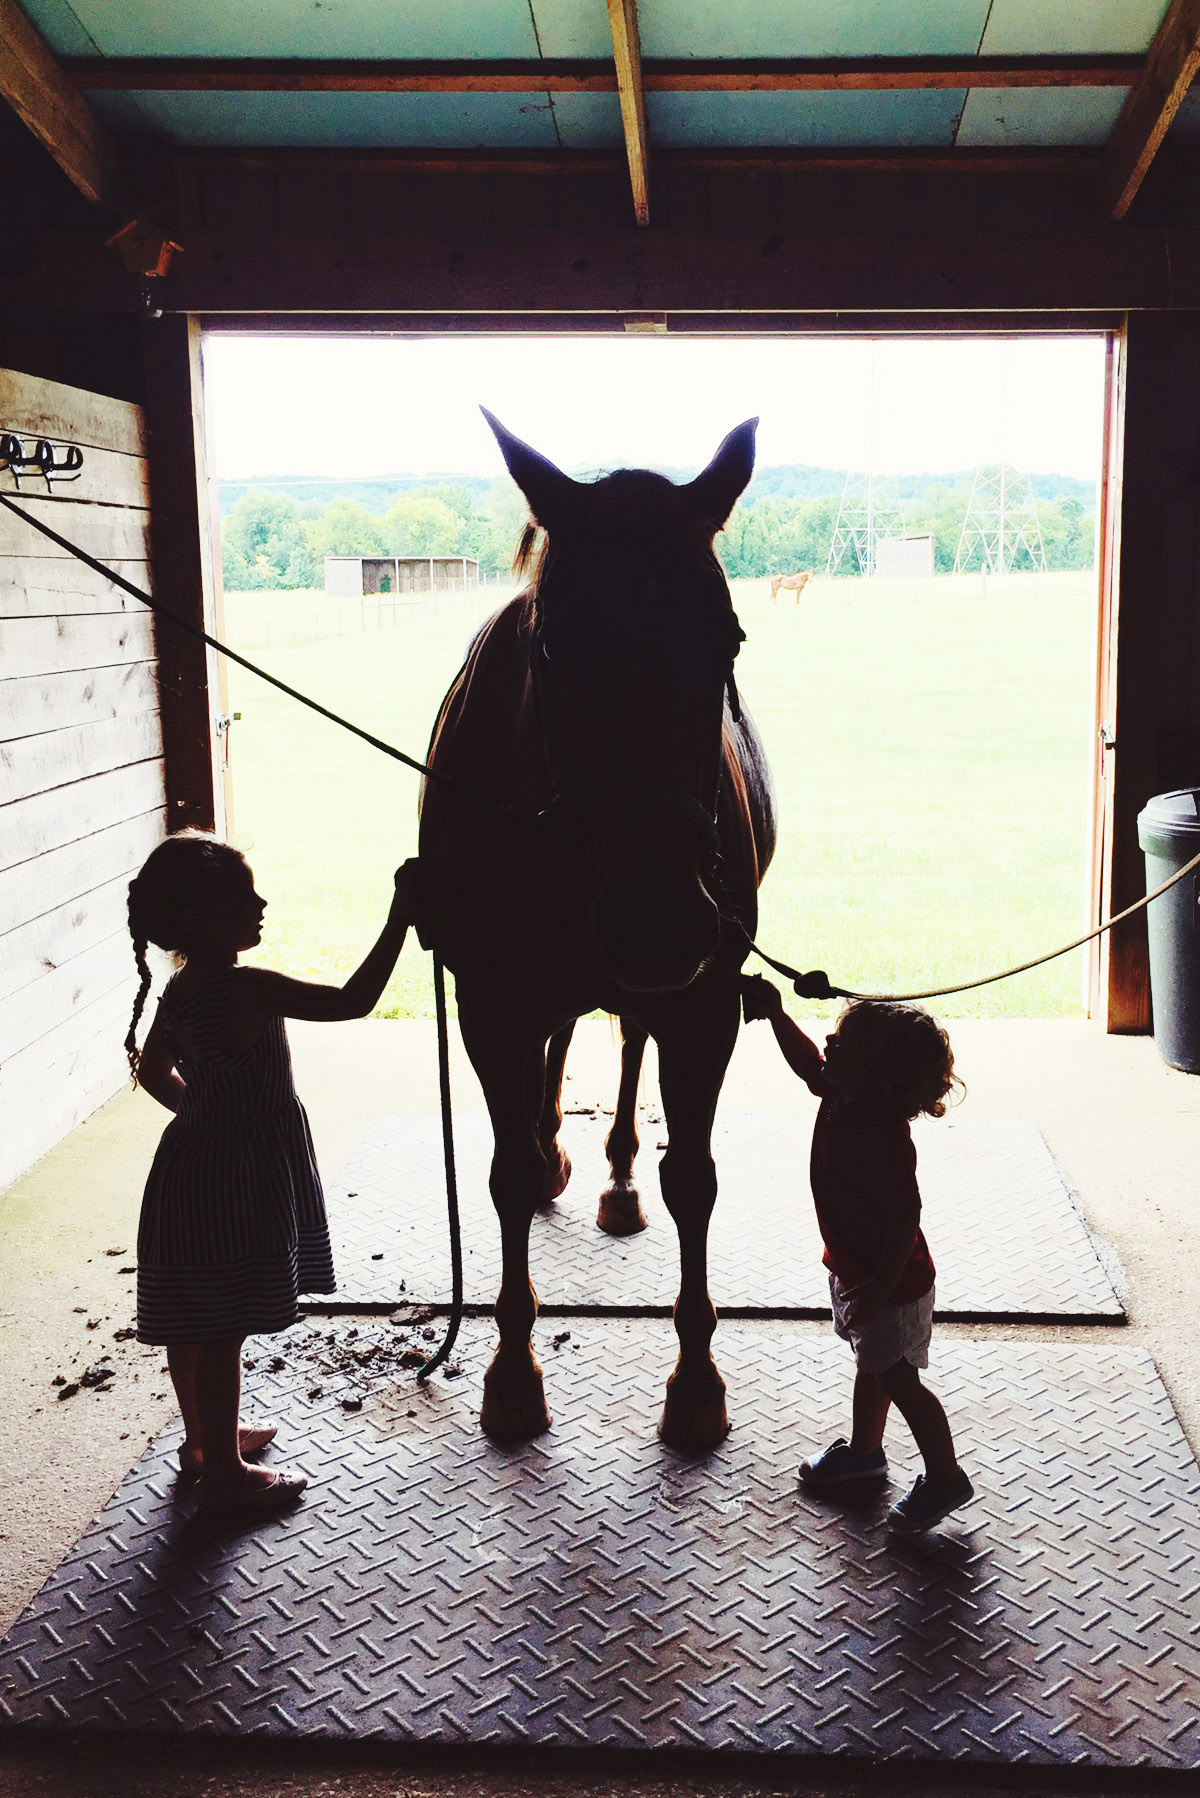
(1171, 815)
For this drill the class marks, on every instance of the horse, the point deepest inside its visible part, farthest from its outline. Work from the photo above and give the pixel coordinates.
(791, 583)
(598, 844)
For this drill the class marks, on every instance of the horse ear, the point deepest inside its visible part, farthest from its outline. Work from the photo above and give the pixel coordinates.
(549, 491)
(715, 492)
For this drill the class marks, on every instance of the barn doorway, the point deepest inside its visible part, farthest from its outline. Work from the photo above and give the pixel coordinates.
(927, 693)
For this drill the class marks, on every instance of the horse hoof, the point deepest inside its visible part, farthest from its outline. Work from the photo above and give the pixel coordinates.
(514, 1421)
(696, 1420)
(620, 1212)
(557, 1174)
(514, 1410)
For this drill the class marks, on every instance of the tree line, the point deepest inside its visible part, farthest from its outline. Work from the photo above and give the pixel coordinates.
(272, 540)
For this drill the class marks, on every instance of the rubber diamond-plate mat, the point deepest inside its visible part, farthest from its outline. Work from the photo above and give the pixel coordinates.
(1006, 1235)
(594, 1588)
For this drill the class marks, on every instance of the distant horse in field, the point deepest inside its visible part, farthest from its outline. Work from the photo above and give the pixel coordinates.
(599, 845)
(790, 583)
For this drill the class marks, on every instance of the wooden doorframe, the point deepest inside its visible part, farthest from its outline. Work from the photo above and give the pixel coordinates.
(1117, 972)
(1133, 596)
(187, 578)
(1108, 545)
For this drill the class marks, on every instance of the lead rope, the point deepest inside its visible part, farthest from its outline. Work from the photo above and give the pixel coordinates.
(816, 983)
(456, 1269)
(194, 630)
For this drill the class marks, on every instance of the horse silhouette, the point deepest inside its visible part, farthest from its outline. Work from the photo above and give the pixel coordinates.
(599, 843)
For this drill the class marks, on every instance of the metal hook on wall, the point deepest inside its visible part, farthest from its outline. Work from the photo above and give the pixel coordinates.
(52, 461)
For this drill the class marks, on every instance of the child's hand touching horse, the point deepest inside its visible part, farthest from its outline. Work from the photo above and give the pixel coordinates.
(259, 993)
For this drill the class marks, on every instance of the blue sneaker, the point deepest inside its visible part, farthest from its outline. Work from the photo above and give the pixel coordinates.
(929, 1501)
(838, 1465)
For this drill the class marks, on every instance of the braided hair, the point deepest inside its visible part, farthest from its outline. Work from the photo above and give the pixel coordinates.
(186, 869)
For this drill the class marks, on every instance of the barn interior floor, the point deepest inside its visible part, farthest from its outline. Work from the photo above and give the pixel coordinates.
(1012, 1244)
(1124, 1127)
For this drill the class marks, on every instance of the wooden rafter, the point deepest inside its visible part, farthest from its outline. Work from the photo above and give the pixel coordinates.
(627, 55)
(529, 270)
(693, 75)
(786, 159)
(33, 83)
(1172, 63)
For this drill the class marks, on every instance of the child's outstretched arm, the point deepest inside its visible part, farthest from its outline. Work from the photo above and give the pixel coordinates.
(258, 992)
(762, 1000)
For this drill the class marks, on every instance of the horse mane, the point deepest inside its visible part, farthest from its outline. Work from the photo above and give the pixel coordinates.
(530, 553)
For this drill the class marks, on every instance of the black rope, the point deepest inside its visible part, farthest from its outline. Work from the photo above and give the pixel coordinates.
(456, 1268)
(194, 630)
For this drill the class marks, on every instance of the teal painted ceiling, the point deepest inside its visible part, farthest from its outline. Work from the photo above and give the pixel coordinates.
(484, 30)
(506, 28)
(275, 28)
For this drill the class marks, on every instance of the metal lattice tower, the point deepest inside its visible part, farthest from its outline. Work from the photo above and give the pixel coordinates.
(870, 509)
(1001, 530)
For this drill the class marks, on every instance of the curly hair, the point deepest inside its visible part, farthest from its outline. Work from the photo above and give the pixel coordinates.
(186, 869)
(899, 1056)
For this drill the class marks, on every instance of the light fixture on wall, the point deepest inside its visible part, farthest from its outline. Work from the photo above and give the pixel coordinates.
(146, 251)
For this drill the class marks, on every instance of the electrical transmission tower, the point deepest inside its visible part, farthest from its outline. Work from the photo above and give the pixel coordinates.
(1000, 531)
(870, 509)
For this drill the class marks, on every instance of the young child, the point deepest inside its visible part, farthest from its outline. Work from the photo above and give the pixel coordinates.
(233, 1220)
(884, 1065)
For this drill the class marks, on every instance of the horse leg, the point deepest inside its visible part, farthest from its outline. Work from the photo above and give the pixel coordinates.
(511, 1070)
(693, 1056)
(558, 1162)
(621, 1211)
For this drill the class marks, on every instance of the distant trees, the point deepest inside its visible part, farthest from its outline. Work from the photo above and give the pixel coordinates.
(271, 540)
(264, 543)
(344, 528)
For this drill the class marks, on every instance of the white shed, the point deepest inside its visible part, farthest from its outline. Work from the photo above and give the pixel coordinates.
(903, 558)
(352, 576)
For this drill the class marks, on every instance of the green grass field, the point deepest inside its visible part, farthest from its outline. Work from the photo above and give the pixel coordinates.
(930, 743)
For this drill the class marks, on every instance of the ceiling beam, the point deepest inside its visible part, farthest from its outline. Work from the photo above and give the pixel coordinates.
(33, 83)
(1171, 66)
(692, 75)
(786, 159)
(524, 271)
(627, 54)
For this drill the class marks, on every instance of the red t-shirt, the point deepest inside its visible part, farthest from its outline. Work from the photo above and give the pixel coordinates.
(863, 1169)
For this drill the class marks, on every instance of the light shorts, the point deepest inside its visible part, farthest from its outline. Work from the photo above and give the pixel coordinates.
(899, 1333)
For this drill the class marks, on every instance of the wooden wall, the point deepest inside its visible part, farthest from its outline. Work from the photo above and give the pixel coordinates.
(81, 766)
(1153, 696)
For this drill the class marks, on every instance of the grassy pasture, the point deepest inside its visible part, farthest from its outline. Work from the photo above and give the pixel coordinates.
(930, 742)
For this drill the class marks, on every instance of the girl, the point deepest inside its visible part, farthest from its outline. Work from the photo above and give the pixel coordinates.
(884, 1065)
(233, 1219)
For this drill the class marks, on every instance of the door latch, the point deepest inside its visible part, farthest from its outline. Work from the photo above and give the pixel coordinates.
(224, 722)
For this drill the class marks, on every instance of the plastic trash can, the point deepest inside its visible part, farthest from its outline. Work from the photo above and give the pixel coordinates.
(1169, 833)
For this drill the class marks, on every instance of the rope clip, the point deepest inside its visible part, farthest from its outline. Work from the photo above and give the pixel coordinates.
(815, 985)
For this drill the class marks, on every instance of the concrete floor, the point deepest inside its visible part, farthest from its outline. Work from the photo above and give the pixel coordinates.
(1125, 1128)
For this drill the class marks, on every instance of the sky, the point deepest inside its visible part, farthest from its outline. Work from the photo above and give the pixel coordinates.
(373, 405)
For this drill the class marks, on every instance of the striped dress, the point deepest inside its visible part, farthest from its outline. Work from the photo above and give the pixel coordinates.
(233, 1219)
